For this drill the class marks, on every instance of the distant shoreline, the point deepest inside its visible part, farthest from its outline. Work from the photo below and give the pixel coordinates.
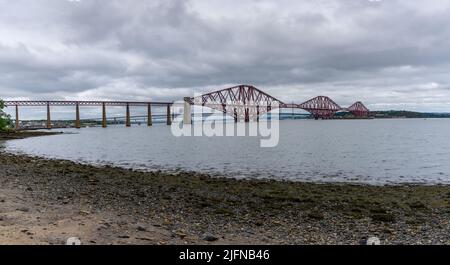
(12, 135)
(52, 200)
(70, 124)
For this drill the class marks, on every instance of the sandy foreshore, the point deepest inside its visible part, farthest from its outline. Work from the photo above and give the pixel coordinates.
(47, 201)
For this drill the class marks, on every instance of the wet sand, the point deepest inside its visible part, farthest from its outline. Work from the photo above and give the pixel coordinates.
(46, 201)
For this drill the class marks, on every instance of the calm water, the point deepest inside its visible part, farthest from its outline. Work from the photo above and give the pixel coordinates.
(363, 151)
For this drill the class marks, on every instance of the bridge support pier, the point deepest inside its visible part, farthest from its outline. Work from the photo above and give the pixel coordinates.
(187, 118)
(104, 115)
(169, 117)
(128, 118)
(149, 115)
(246, 115)
(17, 118)
(49, 121)
(77, 116)
(257, 113)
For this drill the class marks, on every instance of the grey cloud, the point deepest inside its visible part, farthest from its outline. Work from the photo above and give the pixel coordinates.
(381, 52)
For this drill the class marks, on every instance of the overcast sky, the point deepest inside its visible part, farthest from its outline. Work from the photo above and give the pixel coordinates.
(390, 54)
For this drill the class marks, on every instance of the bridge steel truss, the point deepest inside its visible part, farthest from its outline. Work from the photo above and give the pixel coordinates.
(247, 103)
(243, 103)
(358, 109)
(321, 107)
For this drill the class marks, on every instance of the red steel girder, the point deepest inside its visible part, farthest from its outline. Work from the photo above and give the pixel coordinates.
(321, 107)
(358, 109)
(243, 102)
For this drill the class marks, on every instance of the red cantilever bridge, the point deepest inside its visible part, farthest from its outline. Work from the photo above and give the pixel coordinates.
(247, 103)
(243, 102)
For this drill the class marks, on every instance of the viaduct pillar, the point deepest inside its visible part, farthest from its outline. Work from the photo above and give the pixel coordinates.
(49, 121)
(104, 124)
(77, 116)
(187, 118)
(17, 118)
(128, 118)
(149, 115)
(169, 118)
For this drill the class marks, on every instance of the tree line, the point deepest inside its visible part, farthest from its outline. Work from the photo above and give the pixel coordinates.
(5, 119)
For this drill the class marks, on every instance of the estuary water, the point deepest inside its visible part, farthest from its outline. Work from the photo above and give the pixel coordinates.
(389, 151)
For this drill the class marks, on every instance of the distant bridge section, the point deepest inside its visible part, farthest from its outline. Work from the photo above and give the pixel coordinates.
(358, 109)
(321, 107)
(77, 104)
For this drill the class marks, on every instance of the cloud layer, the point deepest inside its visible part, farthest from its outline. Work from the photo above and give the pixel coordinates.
(390, 54)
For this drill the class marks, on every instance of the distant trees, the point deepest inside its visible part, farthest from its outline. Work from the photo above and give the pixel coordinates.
(5, 119)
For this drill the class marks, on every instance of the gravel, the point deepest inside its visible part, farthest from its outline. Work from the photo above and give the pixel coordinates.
(215, 209)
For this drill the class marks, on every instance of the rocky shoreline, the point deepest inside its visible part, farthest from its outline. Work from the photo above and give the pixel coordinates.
(14, 135)
(46, 201)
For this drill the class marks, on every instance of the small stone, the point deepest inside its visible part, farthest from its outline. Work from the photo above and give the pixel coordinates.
(73, 241)
(141, 228)
(373, 241)
(23, 209)
(259, 223)
(210, 238)
(144, 238)
(180, 234)
(383, 217)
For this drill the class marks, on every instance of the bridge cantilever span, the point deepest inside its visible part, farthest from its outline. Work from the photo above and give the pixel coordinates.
(246, 102)
(243, 102)
(78, 103)
(358, 109)
(321, 107)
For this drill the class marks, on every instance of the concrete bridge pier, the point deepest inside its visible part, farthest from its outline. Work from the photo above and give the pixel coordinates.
(269, 115)
(149, 115)
(17, 118)
(246, 115)
(77, 116)
(169, 117)
(128, 118)
(257, 113)
(187, 117)
(104, 124)
(49, 121)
